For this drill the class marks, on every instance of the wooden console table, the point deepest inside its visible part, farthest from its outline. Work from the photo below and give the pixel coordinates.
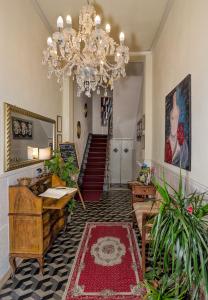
(34, 222)
(140, 192)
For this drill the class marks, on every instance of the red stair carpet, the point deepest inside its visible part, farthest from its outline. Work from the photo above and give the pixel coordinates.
(94, 174)
(107, 264)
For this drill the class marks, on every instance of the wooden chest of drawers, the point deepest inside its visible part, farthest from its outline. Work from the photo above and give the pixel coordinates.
(34, 222)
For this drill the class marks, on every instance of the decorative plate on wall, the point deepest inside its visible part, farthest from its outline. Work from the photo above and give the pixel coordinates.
(78, 129)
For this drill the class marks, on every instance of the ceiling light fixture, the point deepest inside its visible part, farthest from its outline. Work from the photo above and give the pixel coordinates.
(89, 55)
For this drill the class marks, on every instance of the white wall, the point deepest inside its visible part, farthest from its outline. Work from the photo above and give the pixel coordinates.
(97, 128)
(23, 82)
(182, 48)
(126, 98)
(86, 123)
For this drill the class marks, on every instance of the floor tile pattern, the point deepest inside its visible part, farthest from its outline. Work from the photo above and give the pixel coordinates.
(29, 284)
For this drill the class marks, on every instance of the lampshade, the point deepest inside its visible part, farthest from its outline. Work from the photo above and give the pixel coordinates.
(32, 152)
(45, 153)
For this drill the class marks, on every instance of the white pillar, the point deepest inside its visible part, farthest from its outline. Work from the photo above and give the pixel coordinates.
(148, 106)
(68, 111)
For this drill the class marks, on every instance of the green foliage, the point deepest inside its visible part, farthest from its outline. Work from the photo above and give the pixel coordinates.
(180, 239)
(163, 289)
(72, 205)
(65, 170)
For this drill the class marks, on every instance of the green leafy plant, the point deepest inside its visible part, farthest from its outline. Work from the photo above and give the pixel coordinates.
(72, 205)
(180, 239)
(66, 171)
(164, 289)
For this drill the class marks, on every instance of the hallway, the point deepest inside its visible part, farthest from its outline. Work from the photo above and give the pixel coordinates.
(29, 284)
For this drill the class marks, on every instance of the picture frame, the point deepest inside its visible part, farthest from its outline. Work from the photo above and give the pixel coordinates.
(22, 129)
(59, 139)
(178, 125)
(143, 122)
(143, 141)
(59, 123)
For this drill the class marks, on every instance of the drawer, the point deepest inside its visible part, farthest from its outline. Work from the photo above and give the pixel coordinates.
(143, 190)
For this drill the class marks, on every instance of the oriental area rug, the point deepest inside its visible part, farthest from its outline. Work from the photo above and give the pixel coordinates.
(107, 264)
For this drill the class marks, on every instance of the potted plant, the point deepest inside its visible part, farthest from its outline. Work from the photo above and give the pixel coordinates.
(180, 241)
(66, 171)
(163, 289)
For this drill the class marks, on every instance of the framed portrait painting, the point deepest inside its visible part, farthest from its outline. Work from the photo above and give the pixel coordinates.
(178, 125)
(22, 129)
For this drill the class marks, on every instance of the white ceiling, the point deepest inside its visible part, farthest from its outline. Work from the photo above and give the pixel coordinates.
(139, 19)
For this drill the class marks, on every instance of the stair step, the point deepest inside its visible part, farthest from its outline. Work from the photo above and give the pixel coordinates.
(97, 154)
(96, 159)
(98, 150)
(95, 165)
(95, 172)
(91, 195)
(93, 178)
(91, 184)
(99, 136)
(99, 146)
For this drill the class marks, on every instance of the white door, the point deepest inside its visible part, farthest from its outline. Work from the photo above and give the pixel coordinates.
(121, 160)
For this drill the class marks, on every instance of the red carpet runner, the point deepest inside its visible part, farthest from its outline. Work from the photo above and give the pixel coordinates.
(94, 174)
(107, 264)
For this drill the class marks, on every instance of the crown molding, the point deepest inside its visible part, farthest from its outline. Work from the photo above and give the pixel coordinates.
(42, 16)
(162, 23)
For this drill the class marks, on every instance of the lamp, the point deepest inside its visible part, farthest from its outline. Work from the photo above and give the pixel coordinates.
(45, 153)
(32, 152)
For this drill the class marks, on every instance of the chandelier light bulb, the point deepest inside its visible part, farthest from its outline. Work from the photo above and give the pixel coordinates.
(68, 20)
(60, 22)
(49, 41)
(97, 20)
(108, 28)
(122, 37)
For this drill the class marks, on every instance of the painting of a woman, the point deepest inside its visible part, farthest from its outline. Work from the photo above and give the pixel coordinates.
(178, 126)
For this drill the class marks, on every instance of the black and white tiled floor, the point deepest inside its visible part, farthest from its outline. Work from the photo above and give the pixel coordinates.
(29, 284)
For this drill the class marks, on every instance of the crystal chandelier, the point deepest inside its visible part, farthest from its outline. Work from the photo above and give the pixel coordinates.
(90, 55)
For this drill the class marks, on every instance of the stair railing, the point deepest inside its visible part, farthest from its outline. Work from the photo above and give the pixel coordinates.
(84, 159)
(107, 164)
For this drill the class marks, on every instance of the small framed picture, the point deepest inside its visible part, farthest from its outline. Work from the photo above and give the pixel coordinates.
(59, 139)
(143, 122)
(59, 123)
(143, 141)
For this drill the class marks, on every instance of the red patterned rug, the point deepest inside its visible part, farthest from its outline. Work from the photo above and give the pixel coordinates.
(107, 264)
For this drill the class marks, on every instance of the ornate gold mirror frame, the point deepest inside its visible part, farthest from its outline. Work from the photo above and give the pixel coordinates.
(8, 110)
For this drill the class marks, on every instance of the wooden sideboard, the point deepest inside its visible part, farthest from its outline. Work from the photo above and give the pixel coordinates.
(34, 222)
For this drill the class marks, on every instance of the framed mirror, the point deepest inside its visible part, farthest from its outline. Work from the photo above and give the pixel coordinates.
(27, 134)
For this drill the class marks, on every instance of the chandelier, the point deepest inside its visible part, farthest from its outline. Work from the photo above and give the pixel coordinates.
(89, 55)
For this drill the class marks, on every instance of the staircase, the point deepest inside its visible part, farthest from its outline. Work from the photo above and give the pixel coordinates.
(94, 173)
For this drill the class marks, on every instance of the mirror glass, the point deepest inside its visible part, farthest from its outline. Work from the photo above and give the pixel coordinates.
(27, 135)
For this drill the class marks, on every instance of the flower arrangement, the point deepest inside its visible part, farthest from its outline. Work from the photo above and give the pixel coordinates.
(145, 173)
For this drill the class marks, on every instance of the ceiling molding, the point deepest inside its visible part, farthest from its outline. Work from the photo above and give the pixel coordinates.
(162, 23)
(42, 15)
